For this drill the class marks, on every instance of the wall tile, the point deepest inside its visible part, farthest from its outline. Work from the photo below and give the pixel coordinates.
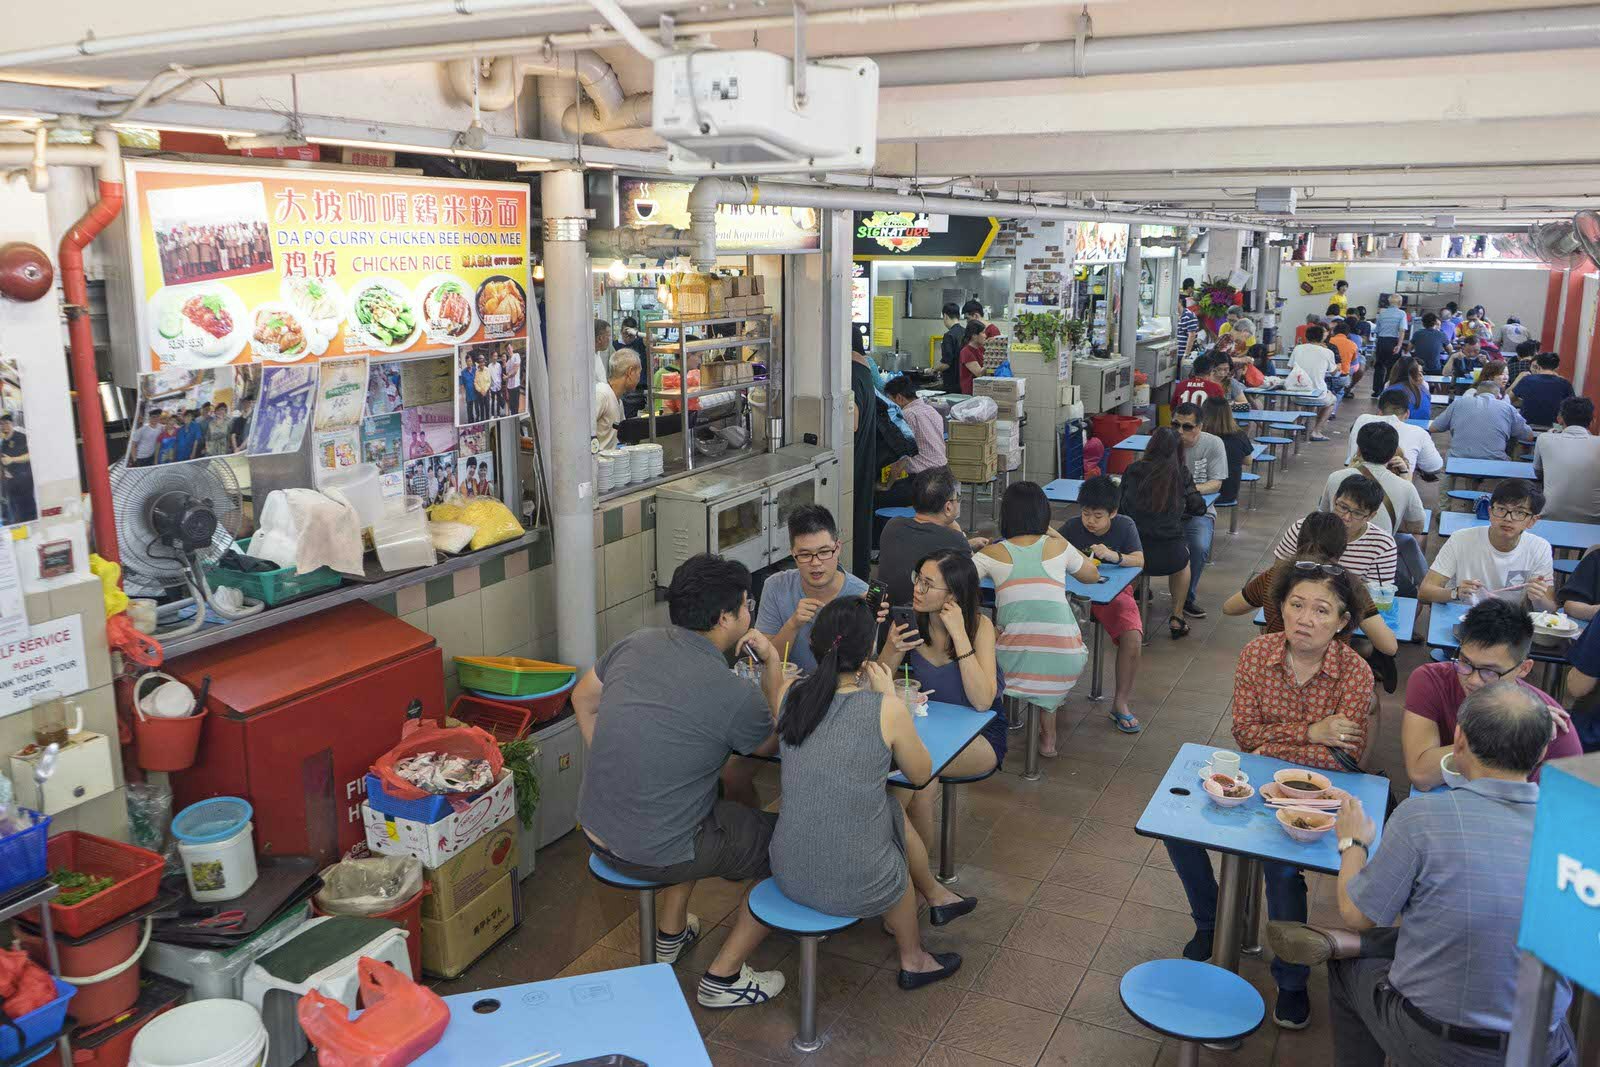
(465, 581)
(411, 599)
(457, 625)
(541, 552)
(388, 603)
(507, 615)
(418, 618)
(611, 524)
(516, 563)
(624, 574)
(441, 589)
(100, 716)
(599, 530)
(492, 571)
(600, 578)
(632, 518)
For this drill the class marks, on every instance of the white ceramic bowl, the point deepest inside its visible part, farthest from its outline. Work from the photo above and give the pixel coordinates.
(1214, 793)
(1322, 823)
(1295, 775)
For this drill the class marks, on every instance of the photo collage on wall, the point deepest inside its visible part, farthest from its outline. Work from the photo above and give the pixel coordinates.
(185, 414)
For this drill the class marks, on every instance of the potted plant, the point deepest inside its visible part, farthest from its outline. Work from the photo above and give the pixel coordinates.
(1216, 297)
(1076, 331)
(1043, 328)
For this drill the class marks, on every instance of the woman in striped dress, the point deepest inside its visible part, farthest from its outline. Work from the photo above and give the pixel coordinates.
(1040, 649)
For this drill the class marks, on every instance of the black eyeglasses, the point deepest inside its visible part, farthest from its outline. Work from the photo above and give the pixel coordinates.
(1306, 566)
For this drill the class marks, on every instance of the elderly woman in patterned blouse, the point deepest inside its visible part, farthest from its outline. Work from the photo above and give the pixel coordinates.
(1303, 696)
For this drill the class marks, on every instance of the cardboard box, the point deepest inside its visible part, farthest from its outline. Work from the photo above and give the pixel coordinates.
(970, 431)
(436, 843)
(971, 451)
(470, 872)
(450, 946)
(1000, 388)
(974, 474)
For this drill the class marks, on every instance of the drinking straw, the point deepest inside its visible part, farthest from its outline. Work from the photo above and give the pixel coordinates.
(785, 656)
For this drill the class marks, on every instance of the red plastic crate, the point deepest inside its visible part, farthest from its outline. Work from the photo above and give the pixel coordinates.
(504, 722)
(137, 871)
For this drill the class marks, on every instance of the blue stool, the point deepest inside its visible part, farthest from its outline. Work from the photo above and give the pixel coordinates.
(1249, 478)
(894, 513)
(1197, 1003)
(777, 912)
(607, 875)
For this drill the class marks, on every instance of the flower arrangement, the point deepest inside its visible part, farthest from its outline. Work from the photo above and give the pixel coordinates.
(1216, 297)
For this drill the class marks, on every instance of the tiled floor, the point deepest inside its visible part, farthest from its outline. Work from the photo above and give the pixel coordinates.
(1071, 896)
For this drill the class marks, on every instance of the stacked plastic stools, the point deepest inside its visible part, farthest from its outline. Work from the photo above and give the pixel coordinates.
(322, 956)
(777, 912)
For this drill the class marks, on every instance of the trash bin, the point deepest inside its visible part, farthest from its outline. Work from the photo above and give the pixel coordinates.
(560, 770)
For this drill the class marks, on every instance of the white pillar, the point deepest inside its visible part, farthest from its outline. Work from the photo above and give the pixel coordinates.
(1128, 327)
(570, 333)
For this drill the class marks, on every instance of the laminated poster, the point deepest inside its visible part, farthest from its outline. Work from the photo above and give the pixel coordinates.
(489, 383)
(384, 395)
(233, 264)
(427, 431)
(284, 412)
(341, 448)
(476, 475)
(432, 478)
(341, 394)
(380, 443)
(425, 381)
(475, 441)
(185, 415)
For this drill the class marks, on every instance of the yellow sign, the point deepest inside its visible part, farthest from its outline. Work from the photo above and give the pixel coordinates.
(233, 264)
(1320, 277)
(883, 322)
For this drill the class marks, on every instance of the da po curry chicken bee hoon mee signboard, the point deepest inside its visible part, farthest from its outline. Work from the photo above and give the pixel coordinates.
(254, 264)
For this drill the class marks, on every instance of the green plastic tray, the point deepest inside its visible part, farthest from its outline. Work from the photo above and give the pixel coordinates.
(274, 587)
(511, 683)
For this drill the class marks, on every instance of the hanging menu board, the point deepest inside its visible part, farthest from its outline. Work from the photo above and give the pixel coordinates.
(235, 264)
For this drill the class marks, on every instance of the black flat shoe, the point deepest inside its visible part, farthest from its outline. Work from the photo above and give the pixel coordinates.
(944, 913)
(1387, 671)
(949, 963)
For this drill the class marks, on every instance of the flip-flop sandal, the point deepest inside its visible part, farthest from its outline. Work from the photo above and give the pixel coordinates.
(1177, 627)
(1127, 723)
(1048, 753)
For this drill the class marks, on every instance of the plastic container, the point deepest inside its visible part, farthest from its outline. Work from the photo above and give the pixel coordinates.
(138, 879)
(541, 708)
(114, 955)
(22, 855)
(214, 973)
(502, 720)
(110, 1045)
(408, 914)
(39, 1025)
(402, 538)
(1113, 428)
(214, 840)
(430, 809)
(512, 676)
(361, 485)
(206, 1033)
(276, 586)
(168, 744)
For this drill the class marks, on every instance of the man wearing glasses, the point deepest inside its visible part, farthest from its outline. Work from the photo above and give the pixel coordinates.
(1369, 550)
(1495, 639)
(1501, 559)
(790, 600)
(1207, 459)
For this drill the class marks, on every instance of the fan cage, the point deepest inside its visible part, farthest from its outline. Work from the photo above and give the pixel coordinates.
(144, 559)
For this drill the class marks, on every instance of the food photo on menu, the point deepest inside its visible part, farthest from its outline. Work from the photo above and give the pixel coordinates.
(502, 307)
(185, 414)
(283, 414)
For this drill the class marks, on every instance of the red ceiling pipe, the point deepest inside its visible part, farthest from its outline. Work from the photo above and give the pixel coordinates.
(85, 376)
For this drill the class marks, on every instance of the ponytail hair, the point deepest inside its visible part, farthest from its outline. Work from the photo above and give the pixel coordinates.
(842, 638)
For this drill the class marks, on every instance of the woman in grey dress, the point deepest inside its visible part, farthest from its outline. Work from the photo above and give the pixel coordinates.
(840, 842)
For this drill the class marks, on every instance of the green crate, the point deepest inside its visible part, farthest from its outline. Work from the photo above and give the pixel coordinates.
(274, 587)
(473, 672)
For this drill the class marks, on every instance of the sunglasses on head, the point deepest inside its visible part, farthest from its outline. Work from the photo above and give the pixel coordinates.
(1306, 566)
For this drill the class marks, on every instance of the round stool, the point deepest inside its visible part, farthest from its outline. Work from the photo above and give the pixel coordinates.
(1194, 1002)
(604, 873)
(777, 912)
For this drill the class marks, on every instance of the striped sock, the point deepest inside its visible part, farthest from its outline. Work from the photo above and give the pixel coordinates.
(667, 944)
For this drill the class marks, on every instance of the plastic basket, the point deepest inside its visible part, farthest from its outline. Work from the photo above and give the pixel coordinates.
(274, 587)
(137, 871)
(429, 809)
(22, 856)
(542, 708)
(39, 1025)
(511, 675)
(501, 720)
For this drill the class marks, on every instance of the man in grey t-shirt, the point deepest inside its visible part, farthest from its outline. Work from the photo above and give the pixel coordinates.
(1207, 459)
(936, 501)
(661, 713)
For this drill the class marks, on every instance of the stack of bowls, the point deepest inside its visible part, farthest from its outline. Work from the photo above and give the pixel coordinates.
(605, 476)
(657, 460)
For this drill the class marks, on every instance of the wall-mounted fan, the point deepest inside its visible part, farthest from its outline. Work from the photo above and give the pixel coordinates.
(1586, 231)
(1556, 243)
(172, 522)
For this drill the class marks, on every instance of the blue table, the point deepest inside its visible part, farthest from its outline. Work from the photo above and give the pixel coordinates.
(945, 730)
(1113, 580)
(1401, 618)
(1442, 619)
(1578, 535)
(1486, 468)
(1136, 443)
(633, 1011)
(1277, 418)
(1180, 811)
(1063, 490)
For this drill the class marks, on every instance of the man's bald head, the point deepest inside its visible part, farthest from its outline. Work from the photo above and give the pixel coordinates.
(1506, 727)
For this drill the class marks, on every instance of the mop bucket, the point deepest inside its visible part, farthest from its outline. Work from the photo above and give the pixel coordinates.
(165, 744)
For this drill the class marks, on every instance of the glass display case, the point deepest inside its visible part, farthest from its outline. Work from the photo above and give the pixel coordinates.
(1096, 294)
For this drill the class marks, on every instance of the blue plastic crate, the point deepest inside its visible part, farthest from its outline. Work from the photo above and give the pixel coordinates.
(40, 1024)
(429, 809)
(22, 856)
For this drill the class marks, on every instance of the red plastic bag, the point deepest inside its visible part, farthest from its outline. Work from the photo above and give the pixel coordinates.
(24, 985)
(468, 741)
(402, 1020)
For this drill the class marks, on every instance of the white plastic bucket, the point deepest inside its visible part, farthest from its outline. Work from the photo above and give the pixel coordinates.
(206, 1033)
(214, 840)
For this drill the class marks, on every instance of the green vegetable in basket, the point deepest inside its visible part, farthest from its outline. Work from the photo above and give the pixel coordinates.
(519, 756)
(78, 887)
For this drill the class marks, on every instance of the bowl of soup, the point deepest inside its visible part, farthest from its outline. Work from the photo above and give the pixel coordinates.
(1302, 784)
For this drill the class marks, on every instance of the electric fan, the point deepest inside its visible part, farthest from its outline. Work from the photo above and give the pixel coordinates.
(173, 522)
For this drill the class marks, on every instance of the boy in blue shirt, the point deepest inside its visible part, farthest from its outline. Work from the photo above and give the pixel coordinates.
(1539, 393)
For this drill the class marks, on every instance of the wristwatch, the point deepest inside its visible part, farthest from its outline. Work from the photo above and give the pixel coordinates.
(1346, 842)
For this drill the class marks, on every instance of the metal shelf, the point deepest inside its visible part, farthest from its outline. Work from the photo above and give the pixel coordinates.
(709, 320)
(669, 347)
(41, 892)
(683, 349)
(731, 387)
(39, 896)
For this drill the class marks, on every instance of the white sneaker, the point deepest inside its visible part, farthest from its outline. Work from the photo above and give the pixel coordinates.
(669, 951)
(751, 987)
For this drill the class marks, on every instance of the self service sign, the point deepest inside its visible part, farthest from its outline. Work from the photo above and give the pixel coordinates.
(1561, 907)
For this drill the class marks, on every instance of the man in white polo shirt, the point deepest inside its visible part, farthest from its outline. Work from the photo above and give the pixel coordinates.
(1568, 460)
(1416, 444)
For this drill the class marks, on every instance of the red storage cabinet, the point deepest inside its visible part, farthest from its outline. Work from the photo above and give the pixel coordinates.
(298, 714)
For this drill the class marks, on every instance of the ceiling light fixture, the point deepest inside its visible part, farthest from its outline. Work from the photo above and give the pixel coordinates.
(174, 127)
(428, 150)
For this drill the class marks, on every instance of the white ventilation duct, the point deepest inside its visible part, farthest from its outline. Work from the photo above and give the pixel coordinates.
(500, 79)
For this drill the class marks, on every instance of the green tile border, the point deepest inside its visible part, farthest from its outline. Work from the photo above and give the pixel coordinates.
(389, 602)
(492, 572)
(539, 553)
(611, 524)
(441, 590)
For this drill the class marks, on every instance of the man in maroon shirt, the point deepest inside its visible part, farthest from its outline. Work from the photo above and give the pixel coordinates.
(1201, 384)
(1495, 638)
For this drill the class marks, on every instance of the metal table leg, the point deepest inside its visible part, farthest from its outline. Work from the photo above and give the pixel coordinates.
(1251, 938)
(1237, 875)
(947, 836)
(647, 927)
(1015, 718)
(1030, 767)
(1094, 659)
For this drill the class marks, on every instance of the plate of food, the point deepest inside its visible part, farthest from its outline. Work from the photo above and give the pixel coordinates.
(449, 312)
(502, 307)
(1554, 625)
(318, 301)
(382, 315)
(1226, 792)
(1275, 796)
(202, 325)
(279, 335)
